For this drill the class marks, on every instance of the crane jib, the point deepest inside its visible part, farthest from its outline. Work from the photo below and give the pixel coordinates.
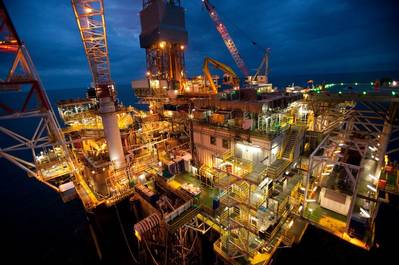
(226, 37)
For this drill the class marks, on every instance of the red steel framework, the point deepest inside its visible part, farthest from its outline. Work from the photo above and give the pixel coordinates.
(33, 104)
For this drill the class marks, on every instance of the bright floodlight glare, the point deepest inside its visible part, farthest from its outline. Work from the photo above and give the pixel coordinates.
(88, 9)
(373, 177)
(364, 212)
(371, 187)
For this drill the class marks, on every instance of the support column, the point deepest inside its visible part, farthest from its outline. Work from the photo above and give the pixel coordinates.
(112, 132)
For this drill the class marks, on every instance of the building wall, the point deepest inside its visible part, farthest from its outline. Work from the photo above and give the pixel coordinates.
(202, 141)
(206, 151)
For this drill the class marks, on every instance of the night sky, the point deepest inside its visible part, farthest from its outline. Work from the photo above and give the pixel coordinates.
(305, 36)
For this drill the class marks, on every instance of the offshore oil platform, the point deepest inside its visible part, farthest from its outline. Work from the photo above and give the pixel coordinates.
(233, 162)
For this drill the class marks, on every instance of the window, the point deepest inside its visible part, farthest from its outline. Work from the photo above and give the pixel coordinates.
(213, 140)
(226, 144)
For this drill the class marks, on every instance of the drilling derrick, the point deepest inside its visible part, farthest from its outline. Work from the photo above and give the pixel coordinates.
(164, 37)
(90, 19)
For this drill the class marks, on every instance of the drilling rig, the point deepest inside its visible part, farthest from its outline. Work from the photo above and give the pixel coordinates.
(245, 175)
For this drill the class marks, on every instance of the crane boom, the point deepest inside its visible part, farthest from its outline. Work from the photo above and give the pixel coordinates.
(220, 27)
(90, 19)
(234, 81)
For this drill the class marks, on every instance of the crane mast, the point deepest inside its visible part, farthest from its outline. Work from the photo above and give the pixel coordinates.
(263, 65)
(221, 28)
(90, 19)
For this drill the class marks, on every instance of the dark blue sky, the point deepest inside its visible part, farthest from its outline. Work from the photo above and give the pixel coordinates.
(305, 36)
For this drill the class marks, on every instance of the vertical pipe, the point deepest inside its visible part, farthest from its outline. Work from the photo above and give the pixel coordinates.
(112, 132)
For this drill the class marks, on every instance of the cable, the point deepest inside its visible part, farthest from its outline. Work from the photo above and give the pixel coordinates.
(192, 246)
(149, 251)
(166, 248)
(245, 34)
(124, 235)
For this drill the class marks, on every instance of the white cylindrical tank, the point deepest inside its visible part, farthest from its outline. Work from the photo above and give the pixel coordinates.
(112, 132)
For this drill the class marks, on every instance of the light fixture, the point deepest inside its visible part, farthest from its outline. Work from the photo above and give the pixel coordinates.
(364, 213)
(88, 10)
(373, 177)
(371, 188)
(372, 148)
(162, 44)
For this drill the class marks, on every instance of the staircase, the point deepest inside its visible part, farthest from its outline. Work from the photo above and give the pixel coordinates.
(286, 155)
(290, 145)
(244, 188)
(277, 168)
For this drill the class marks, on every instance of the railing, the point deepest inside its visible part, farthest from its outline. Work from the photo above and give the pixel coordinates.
(177, 212)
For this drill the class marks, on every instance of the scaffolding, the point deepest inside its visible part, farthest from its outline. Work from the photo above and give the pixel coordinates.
(342, 183)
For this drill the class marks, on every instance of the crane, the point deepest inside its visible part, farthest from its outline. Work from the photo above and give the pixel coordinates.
(232, 77)
(31, 103)
(91, 23)
(221, 28)
(263, 65)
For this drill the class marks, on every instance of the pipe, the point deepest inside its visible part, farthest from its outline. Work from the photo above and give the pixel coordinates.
(111, 131)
